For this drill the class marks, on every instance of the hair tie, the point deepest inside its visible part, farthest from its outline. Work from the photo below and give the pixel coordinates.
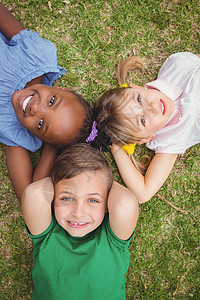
(93, 133)
(129, 148)
(123, 85)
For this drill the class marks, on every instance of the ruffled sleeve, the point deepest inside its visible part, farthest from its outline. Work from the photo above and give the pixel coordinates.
(31, 56)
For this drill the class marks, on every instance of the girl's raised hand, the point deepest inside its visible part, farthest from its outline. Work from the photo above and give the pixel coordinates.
(144, 187)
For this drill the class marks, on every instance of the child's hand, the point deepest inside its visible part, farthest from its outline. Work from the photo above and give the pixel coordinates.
(46, 187)
(115, 149)
(119, 153)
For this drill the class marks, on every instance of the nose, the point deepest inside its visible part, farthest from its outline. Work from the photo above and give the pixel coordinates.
(35, 108)
(151, 108)
(78, 210)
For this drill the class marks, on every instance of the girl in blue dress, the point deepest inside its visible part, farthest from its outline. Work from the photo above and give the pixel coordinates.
(31, 110)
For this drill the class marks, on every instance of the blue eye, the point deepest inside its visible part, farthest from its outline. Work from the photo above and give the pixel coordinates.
(93, 201)
(143, 121)
(139, 99)
(67, 199)
(40, 124)
(51, 102)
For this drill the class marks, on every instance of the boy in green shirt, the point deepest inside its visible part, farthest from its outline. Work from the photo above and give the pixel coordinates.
(81, 241)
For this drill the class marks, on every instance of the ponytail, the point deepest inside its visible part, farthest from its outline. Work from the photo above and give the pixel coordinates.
(127, 65)
(110, 119)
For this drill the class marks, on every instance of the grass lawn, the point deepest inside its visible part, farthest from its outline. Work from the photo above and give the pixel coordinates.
(91, 37)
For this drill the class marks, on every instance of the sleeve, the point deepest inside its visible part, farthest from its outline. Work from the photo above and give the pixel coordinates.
(19, 136)
(181, 65)
(12, 133)
(30, 56)
(37, 239)
(123, 245)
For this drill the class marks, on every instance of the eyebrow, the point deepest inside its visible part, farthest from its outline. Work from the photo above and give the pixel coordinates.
(69, 191)
(47, 126)
(134, 117)
(72, 194)
(138, 116)
(57, 104)
(54, 108)
(95, 194)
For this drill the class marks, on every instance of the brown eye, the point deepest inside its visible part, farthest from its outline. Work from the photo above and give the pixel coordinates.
(40, 124)
(51, 102)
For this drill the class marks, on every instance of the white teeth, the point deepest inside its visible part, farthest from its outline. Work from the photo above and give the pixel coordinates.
(25, 103)
(74, 223)
(163, 108)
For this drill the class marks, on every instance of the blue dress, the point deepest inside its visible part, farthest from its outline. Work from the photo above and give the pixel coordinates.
(23, 58)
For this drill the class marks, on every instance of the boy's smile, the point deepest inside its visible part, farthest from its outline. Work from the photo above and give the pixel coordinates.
(80, 202)
(53, 114)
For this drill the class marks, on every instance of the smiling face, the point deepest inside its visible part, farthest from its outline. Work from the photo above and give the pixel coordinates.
(147, 111)
(80, 202)
(53, 114)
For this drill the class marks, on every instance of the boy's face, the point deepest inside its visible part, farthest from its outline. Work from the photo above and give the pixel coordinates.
(53, 114)
(80, 202)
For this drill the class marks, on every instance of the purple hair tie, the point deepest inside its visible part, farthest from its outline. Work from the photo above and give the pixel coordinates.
(93, 133)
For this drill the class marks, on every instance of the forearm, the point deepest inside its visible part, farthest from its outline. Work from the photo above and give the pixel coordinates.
(46, 161)
(132, 178)
(144, 187)
(9, 25)
(20, 168)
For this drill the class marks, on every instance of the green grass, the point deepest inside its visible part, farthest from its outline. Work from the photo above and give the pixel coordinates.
(91, 37)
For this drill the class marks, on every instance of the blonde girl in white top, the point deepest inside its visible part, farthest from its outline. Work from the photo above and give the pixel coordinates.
(164, 114)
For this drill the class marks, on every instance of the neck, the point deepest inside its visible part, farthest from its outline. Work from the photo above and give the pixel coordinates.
(37, 80)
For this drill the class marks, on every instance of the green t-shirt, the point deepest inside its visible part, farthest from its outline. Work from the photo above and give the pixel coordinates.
(92, 267)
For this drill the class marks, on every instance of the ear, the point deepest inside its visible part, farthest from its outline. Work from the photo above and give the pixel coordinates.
(143, 141)
(136, 86)
(133, 85)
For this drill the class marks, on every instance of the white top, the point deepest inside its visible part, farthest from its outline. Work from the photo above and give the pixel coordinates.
(179, 79)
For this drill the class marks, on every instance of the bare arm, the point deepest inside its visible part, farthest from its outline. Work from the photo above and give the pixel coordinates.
(9, 25)
(123, 211)
(45, 163)
(144, 187)
(36, 205)
(20, 168)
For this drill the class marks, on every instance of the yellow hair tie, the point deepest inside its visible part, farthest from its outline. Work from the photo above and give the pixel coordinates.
(123, 85)
(129, 148)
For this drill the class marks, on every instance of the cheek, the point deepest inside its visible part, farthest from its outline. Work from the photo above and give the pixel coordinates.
(27, 123)
(59, 212)
(99, 215)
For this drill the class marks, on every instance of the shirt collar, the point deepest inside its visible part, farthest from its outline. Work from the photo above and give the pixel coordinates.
(166, 88)
(172, 92)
